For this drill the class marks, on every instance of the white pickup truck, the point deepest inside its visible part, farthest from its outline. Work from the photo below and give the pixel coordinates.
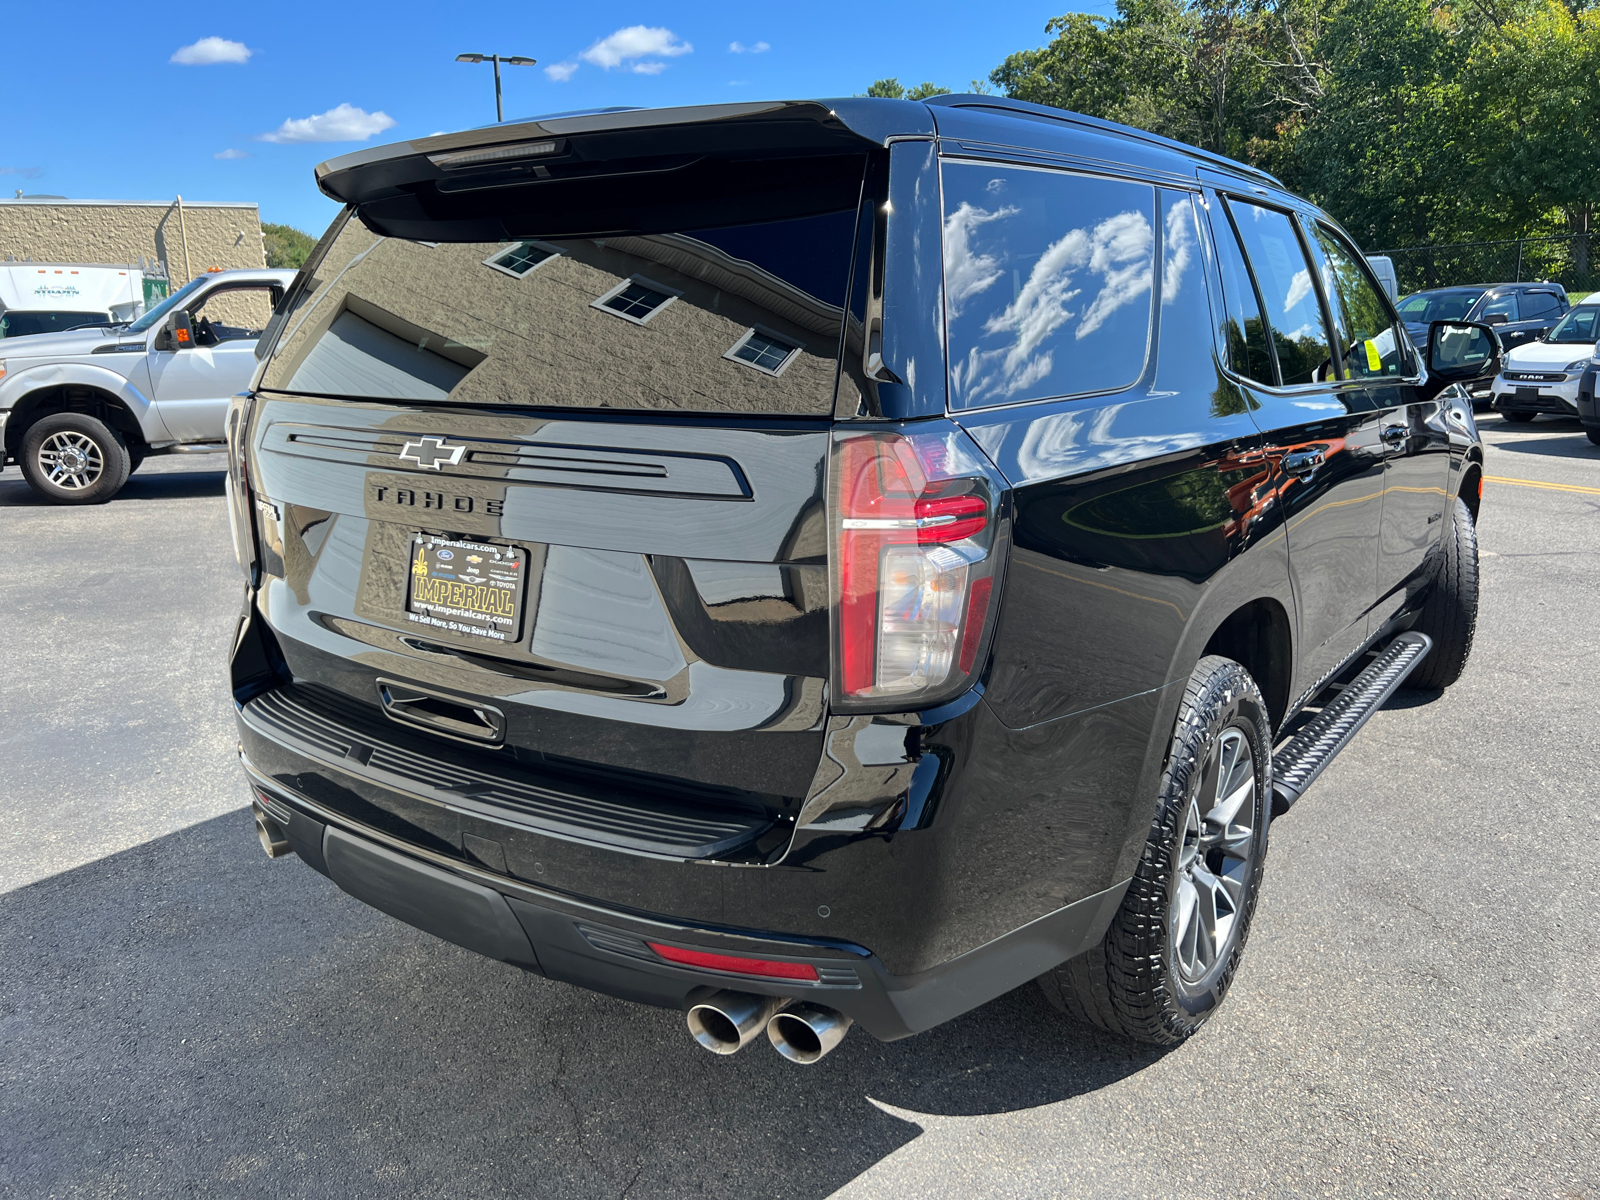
(80, 410)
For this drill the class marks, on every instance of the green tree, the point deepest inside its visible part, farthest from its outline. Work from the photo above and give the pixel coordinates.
(892, 89)
(285, 246)
(1535, 89)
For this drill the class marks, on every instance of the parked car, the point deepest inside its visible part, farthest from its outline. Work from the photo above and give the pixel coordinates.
(634, 596)
(1542, 376)
(1520, 312)
(80, 410)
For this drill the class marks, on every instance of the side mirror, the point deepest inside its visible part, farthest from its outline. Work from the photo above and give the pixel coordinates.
(177, 333)
(1496, 319)
(1461, 351)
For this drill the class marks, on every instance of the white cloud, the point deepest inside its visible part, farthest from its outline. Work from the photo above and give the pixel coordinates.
(635, 42)
(561, 71)
(966, 273)
(654, 67)
(1118, 250)
(741, 48)
(231, 153)
(1299, 289)
(347, 123)
(210, 50)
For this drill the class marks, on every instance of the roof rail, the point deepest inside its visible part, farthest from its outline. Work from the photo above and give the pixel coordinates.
(1006, 103)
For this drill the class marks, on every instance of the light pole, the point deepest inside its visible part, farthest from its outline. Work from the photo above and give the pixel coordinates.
(510, 60)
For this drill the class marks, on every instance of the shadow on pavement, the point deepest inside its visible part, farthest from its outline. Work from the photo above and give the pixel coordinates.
(165, 485)
(188, 1016)
(1575, 445)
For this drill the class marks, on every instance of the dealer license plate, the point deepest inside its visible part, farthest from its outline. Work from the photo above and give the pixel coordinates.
(467, 587)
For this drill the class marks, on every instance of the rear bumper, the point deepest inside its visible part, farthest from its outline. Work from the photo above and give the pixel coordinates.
(606, 949)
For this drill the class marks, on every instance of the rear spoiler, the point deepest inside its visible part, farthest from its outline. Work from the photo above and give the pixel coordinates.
(508, 154)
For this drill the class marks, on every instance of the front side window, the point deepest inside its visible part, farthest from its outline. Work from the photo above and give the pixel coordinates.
(1288, 291)
(1500, 306)
(1424, 308)
(1582, 324)
(1372, 349)
(1245, 332)
(1047, 282)
(232, 314)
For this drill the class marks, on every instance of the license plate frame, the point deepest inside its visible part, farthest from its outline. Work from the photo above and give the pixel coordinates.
(468, 588)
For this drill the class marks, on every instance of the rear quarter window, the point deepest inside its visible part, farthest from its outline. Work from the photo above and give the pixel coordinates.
(1047, 282)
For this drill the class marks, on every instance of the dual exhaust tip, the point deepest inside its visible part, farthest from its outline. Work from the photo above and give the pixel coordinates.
(727, 1021)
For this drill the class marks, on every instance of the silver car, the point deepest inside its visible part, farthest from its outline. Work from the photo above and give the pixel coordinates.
(81, 410)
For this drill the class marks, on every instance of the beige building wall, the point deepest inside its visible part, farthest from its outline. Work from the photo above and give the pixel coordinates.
(115, 231)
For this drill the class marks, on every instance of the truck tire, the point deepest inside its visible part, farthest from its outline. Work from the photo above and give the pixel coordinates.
(1450, 613)
(72, 458)
(1594, 433)
(1171, 951)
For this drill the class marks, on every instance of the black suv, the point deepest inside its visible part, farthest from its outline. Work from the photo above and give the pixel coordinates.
(1519, 312)
(834, 561)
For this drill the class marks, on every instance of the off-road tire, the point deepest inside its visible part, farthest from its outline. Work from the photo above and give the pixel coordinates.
(1450, 613)
(1519, 418)
(112, 471)
(1129, 984)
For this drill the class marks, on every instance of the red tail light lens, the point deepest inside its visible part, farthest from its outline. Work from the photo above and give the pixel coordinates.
(731, 962)
(915, 519)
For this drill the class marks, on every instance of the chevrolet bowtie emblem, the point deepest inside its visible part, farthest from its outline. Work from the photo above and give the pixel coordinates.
(431, 453)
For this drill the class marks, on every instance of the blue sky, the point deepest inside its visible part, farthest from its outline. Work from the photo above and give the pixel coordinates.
(97, 109)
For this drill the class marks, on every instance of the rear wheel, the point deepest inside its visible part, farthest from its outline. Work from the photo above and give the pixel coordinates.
(1594, 434)
(72, 458)
(1167, 960)
(1450, 613)
(1520, 418)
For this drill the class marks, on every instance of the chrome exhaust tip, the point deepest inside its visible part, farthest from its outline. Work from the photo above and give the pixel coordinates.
(272, 838)
(725, 1021)
(806, 1032)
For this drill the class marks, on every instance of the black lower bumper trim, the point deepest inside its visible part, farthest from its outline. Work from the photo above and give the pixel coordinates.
(603, 950)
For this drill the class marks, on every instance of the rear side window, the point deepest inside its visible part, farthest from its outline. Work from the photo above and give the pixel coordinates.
(1047, 282)
(1536, 306)
(1372, 350)
(1294, 312)
(1243, 329)
(732, 318)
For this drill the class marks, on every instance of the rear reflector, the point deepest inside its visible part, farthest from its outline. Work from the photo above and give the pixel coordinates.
(735, 964)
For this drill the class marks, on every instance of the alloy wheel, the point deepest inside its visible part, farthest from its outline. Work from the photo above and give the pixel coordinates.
(71, 460)
(1215, 859)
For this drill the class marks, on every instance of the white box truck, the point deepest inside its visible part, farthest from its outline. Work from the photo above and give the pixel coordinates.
(38, 297)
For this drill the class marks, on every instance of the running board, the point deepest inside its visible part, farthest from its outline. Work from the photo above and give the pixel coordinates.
(1297, 765)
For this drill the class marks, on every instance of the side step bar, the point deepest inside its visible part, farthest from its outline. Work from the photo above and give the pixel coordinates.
(1298, 764)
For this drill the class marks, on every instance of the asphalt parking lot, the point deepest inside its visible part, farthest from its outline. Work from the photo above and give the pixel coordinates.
(179, 1015)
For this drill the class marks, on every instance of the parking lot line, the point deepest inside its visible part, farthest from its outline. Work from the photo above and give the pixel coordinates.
(1537, 483)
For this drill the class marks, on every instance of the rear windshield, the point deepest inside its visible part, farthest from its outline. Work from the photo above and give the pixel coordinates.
(20, 324)
(723, 317)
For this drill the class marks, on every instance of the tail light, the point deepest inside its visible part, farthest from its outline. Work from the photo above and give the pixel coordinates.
(237, 486)
(918, 538)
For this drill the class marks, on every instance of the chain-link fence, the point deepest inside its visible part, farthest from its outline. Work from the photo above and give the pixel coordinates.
(1567, 260)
